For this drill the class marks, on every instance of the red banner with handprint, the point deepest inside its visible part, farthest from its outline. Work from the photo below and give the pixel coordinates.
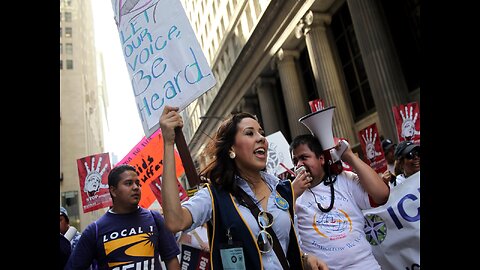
(93, 173)
(372, 148)
(407, 120)
(316, 104)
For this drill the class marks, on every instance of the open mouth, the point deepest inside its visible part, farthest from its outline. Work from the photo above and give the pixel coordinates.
(260, 152)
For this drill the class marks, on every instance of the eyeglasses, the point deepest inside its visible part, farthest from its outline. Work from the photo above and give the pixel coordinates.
(412, 154)
(264, 239)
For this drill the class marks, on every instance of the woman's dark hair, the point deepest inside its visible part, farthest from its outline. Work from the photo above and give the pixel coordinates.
(114, 175)
(222, 169)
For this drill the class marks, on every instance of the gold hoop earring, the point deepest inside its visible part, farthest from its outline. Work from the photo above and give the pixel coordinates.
(232, 155)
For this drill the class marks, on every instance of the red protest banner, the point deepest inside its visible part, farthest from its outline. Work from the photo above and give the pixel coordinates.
(407, 121)
(147, 157)
(93, 174)
(193, 258)
(372, 148)
(316, 104)
(156, 187)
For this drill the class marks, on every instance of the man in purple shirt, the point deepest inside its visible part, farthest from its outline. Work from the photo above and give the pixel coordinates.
(126, 236)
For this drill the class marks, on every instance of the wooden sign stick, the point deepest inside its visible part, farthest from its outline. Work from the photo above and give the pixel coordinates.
(190, 171)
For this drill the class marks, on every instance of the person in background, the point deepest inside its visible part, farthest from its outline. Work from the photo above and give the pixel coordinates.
(238, 183)
(407, 155)
(65, 251)
(389, 150)
(65, 226)
(389, 175)
(329, 207)
(127, 236)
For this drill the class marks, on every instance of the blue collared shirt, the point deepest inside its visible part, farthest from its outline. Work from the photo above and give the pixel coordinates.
(200, 206)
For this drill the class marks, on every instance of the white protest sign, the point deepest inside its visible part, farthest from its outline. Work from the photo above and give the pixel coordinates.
(163, 57)
(393, 229)
(278, 152)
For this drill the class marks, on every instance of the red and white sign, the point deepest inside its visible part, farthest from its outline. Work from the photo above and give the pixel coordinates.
(316, 105)
(93, 174)
(407, 120)
(147, 157)
(156, 187)
(372, 148)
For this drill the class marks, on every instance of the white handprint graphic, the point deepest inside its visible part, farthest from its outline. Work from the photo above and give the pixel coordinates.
(93, 180)
(408, 123)
(370, 145)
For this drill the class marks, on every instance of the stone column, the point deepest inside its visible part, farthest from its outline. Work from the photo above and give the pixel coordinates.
(250, 104)
(268, 106)
(314, 27)
(382, 66)
(295, 101)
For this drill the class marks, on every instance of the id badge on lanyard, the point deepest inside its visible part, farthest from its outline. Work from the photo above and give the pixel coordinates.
(232, 254)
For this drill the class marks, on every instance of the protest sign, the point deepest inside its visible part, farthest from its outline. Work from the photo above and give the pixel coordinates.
(278, 153)
(147, 157)
(194, 259)
(393, 229)
(372, 148)
(93, 175)
(316, 104)
(156, 187)
(164, 59)
(407, 121)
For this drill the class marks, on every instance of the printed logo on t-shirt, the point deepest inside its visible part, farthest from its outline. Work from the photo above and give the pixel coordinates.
(332, 225)
(130, 248)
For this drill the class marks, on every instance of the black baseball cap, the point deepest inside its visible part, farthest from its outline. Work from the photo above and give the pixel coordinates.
(387, 144)
(404, 148)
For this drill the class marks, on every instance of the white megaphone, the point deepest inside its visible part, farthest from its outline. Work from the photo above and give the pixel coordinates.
(320, 125)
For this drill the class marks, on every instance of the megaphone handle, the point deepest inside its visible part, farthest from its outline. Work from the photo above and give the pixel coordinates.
(337, 153)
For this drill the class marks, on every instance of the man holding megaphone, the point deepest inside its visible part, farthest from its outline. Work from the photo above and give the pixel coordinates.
(330, 200)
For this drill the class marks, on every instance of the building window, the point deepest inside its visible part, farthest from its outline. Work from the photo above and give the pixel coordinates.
(60, 31)
(61, 48)
(68, 16)
(403, 19)
(70, 202)
(61, 64)
(352, 64)
(68, 32)
(257, 9)
(248, 14)
(69, 64)
(69, 48)
(307, 74)
(229, 10)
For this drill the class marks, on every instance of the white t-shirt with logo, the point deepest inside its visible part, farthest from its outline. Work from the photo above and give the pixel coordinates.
(338, 236)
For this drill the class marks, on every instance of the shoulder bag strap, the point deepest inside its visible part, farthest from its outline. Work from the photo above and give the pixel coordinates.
(276, 244)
